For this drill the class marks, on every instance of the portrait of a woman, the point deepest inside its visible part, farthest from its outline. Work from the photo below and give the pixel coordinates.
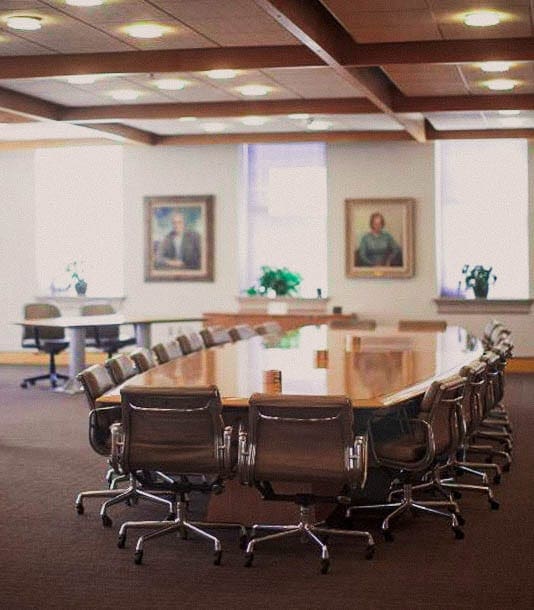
(377, 247)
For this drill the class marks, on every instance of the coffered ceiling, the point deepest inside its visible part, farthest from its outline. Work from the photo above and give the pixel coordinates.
(348, 70)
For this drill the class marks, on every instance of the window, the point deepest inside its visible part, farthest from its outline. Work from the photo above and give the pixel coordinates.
(482, 214)
(287, 208)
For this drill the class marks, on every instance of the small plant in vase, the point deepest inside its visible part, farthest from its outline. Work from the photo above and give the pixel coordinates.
(479, 279)
(280, 281)
(75, 269)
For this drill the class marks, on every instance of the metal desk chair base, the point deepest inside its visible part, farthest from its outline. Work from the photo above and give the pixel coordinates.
(181, 525)
(52, 377)
(407, 503)
(308, 530)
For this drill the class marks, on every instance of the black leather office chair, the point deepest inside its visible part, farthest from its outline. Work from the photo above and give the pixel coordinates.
(104, 338)
(178, 431)
(241, 332)
(121, 368)
(51, 341)
(269, 328)
(143, 358)
(190, 343)
(167, 351)
(304, 440)
(215, 336)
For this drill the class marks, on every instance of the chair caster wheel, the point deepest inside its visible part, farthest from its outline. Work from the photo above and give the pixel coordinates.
(325, 566)
(79, 508)
(458, 533)
(506, 468)
(497, 479)
(456, 494)
(170, 517)
(494, 504)
(217, 556)
(460, 519)
(106, 521)
(370, 551)
(243, 541)
(249, 558)
(138, 557)
(121, 541)
(388, 536)
(24, 385)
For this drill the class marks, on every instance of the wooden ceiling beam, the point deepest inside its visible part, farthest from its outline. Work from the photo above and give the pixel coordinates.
(27, 105)
(465, 103)
(176, 60)
(476, 134)
(345, 105)
(442, 52)
(126, 134)
(290, 136)
(312, 24)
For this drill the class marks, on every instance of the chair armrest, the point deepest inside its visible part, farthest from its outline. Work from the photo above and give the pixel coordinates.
(117, 446)
(358, 460)
(100, 422)
(423, 463)
(224, 451)
(243, 455)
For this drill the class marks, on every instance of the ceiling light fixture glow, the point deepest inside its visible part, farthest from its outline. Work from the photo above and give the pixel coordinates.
(23, 22)
(501, 84)
(254, 90)
(145, 30)
(495, 66)
(221, 74)
(187, 119)
(482, 19)
(214, 127)
(85, 2)
(82, 79)
(509, 112)
(299, 115)
(254, 120)
(319, 125)
(125, 94)
(171, 84)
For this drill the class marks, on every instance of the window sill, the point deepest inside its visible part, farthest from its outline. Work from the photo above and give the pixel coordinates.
(484, 306)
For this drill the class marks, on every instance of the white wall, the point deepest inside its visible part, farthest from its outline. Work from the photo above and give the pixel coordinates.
(18, 282)
(192, 170)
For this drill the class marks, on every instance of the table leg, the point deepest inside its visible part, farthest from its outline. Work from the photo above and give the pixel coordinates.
(76, 360)
(142, 334)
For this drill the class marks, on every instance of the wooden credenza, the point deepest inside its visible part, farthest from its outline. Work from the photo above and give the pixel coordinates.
(287, 321)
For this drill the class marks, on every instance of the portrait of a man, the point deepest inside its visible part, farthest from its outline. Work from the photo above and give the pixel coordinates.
(379, 237)
(179, 238)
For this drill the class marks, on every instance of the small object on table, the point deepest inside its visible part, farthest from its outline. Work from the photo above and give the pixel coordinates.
(337, 309)
(272, 382)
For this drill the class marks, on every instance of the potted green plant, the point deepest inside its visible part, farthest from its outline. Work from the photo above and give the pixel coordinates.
(80, 285)
(282, 281)
(479, 279)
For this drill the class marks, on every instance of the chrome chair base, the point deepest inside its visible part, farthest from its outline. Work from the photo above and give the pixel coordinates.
(181, 525)
(309, 531)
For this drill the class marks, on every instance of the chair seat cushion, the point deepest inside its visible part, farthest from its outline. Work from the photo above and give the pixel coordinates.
(405, 449)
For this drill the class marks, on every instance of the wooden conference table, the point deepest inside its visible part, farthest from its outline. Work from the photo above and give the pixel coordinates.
(77, 325)
(380, 368)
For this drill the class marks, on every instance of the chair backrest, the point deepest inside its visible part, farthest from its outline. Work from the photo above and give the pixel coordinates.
(301, 438)
(475, 388)
(175, 430)
(96, 380)
(167, 351)
(121, 368)
(241, 332)
(215, 336)
(268, 328)
(422, 325)
(33, 311)
(190, 343)
(143, 358)
(495, 378)
(439, 408)
(100, 332)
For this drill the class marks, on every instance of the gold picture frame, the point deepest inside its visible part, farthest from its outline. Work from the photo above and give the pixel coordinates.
(379, 238)
(179, 238)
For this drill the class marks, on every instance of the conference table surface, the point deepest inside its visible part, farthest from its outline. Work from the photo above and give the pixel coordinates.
(376, 369)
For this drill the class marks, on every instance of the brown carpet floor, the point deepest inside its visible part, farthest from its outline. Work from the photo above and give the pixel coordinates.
(50, 557)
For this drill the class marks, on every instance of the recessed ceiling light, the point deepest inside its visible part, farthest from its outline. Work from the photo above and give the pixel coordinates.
(221, 74)
(298, 115)
(187, 119)
(23, 22)
(171, 84)
(145, 30)
(214, 127)
(85, 2)
(482, 19)
(512, 121)
(319, 125)
(254, 120)
(125, 94)
(82, 79)
(495, 66)
(254, 90)
(509, 112)
(501, 84)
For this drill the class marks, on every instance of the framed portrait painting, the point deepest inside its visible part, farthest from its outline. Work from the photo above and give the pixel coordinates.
(379, 238)
(179, 238)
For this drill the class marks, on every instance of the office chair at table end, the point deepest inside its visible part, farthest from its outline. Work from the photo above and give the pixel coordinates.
(51, 341)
